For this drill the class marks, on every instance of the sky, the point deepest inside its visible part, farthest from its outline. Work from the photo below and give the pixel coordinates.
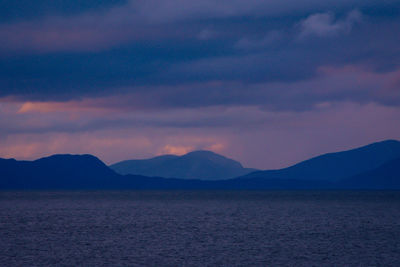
(268, 83)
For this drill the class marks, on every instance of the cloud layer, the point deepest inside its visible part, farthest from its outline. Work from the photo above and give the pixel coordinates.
(267, 82)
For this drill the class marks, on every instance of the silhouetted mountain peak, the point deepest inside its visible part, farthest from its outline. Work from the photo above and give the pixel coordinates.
(57, 171)
(212, 157)
(337, 165)
(70, 158)
(385, 142)
(375, 166)
(386, 176)
(202, 153)
(201, 164)
(385, 145)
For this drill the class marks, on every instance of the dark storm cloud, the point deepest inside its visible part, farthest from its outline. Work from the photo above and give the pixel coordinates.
(268, 83)
(30, 10)
(201, 53)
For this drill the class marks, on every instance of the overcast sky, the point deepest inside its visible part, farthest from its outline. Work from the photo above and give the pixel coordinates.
(268, 83)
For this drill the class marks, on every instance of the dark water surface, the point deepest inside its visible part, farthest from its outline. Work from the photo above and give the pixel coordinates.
(200, 228)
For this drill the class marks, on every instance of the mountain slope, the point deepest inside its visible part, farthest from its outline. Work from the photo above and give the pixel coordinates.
(386, 176)
(204, 165)
(57, 171)
(86, 172)
(336, 166)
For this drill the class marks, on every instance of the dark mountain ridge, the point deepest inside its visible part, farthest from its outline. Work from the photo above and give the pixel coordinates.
(86, 172)
(386, 176)
(57, 171)
(336, 166)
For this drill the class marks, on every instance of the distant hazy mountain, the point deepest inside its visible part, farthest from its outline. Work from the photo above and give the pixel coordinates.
(204, 165)
(386, 176)
(336, 166)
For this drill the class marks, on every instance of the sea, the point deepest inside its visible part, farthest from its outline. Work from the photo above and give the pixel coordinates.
(200, 228)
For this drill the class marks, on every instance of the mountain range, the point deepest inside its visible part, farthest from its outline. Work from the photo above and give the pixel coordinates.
(336, 166)
(205, 165)
(375, 166)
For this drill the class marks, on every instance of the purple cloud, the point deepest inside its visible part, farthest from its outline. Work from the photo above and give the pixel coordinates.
(268, 83)
(257, 137)
(324, 24)
(155, 20)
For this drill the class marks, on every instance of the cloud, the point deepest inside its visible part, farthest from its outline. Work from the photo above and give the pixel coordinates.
(51, 107)
(249, 79)
(175, 150)
(206, 34)
(159, 11)
(274, 139)
(223, 106)
(99, 53)
(351, 83)
(254, 44)
(325, 24)
(102, 29)
(88, 32)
